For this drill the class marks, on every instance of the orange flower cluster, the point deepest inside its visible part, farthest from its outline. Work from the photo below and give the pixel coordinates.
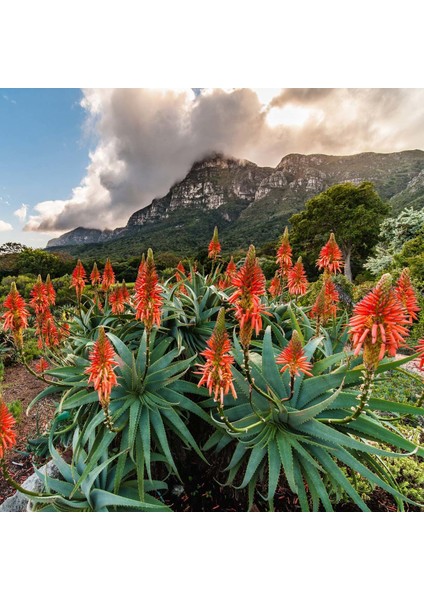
(325, 306)
(43, 297)
(284, 254)
(330, 257)
(7, 434)
(420, 349)
(108, 278)
(297, 280)
(214, 248)
(377, 323)
(42, 365)
(275, 287)
(229, 273)
(16, 316)
(148, 299)
(293, 357)
(405, 293)
(179, 276)
(78, 280)
(250, 283)
(95, 276)
(216, 372)
(118, 298)
(102, 367)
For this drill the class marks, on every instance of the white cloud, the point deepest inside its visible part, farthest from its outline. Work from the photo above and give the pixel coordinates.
(148, 139)
(21, 213)
(5, 226)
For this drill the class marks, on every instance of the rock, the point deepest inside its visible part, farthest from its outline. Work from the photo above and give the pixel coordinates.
(20, 503)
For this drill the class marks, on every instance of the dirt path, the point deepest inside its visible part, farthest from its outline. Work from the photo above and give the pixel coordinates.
(20, 385)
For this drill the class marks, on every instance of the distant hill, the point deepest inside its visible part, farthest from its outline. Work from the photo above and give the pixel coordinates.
(248, 203)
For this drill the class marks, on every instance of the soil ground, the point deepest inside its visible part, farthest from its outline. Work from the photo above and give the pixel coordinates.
(20, 385)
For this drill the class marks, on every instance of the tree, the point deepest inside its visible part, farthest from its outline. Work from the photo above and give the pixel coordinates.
(352, 212)
(40, 262)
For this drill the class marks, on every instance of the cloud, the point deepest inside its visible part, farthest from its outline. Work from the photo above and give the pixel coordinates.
(21, 213)
(5, 226)
(148, 139)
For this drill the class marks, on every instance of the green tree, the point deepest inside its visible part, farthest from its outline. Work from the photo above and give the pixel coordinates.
(40, 262)
(352, 212)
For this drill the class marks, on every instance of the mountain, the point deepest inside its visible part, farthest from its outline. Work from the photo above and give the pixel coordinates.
(248, 203)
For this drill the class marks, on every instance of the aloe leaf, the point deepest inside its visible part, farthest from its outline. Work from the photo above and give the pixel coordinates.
(337, 474)
(102, 499)
(298, 417)
(121, 349)
(286, 455)
(144, 432)
(157, 423)
(256, 456)
(274, 468)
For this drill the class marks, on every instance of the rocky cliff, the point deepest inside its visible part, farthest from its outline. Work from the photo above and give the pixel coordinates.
(252, 203)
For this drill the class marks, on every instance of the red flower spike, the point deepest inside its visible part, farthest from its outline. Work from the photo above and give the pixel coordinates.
(179, 276)
(284, 254)
(325, 306)
(250, 283)
(39, 301)
(78, 280)
(102, 367)
(377, 323)
(297, 281)
(420, 349)
(214, 248)
(293, 357)
(330, 257)
(16, 317)
(7, 434)
(230, 271)
(216, 372)
(148, 299)
(95, 276)
(108, 277)
(405, 293)
(50, 291)
(42, 365)
(275, 287)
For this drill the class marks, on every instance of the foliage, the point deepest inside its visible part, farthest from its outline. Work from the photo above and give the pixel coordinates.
(394, 234)
(351, 212)
(306, 429)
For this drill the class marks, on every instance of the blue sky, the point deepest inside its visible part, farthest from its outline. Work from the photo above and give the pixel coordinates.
(43, 152)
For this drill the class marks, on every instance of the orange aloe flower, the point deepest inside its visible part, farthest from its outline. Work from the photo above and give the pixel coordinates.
(16, 317)
(102, 367)
(179, 275)
(42, 365)
(297, 281)
(325, 306)
(293, 357)
(47, 330)
(108, 276)
(214, 248)
(78, 280)
(95, 276)
(118, 298)
(377, 323)
(216, 372)
(250, 283)
(50, 291)
(7, 434)
(284, 254)
(330, 257)
(405, 293)
(148, 299)
(39, 299)
(230, 271)
(275, 287)
(420, 349)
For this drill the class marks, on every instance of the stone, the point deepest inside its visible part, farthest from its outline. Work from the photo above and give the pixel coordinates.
(20, 503)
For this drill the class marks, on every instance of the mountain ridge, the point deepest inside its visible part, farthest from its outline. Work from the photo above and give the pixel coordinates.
(251, 203)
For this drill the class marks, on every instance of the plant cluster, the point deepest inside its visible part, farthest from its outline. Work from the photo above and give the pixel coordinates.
(213, 364)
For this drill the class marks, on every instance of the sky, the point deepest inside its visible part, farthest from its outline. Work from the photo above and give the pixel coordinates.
(92, 157)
